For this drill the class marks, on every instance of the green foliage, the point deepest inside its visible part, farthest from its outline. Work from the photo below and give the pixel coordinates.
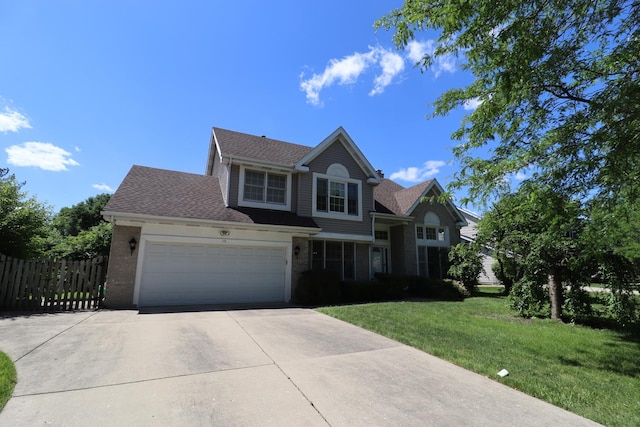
(8, 378)
(423, 287)
(466, 265)
(577, 304)
(23, 221)
(96, 241)
(317, 287)
(365, 291)
(529, 298)
(80, 232)
(82, 216)
(559, 87)
(535, 232)
(623, 307)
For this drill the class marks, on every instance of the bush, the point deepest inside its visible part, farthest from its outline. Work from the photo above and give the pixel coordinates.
(317, 287)
(529, 298)
(364, 291)
(622, 306)
(418, 286)
(577, 304)
(466, 265)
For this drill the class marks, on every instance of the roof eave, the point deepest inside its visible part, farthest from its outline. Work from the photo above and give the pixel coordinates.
(115, 217)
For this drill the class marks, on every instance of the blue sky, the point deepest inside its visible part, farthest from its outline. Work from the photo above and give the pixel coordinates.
(90, 88)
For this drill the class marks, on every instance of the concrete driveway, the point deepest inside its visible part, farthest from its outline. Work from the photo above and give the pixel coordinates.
(284, 367)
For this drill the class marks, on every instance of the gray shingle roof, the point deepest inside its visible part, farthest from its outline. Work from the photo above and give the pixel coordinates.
(165, 193)
(391, 197)
(237, 144)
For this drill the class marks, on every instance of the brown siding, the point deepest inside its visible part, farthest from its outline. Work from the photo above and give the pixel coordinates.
(121, 273)
(336, 153)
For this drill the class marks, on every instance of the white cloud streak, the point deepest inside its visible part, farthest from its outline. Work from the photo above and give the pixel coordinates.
(43, 155)
(415, 174)
(13, 121)
(103, 187)
(348, 69)
(472, 104)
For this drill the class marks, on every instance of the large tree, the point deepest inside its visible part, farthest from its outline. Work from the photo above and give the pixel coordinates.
(539, 230)
(24, 221)
(559, 85)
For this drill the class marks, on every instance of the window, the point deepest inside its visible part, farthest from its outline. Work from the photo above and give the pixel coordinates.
(263, 189)
(334, 256)
(381, 235)
(337, 197)
(433, 262)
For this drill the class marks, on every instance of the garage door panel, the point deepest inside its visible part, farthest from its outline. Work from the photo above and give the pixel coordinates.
(183, 274)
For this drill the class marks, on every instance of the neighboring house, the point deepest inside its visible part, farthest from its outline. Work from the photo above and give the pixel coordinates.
(263, 212)
(468, 234)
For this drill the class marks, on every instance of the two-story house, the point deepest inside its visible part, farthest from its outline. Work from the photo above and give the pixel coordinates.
(263, 212)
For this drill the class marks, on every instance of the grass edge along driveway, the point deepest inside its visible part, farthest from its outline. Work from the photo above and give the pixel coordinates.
(593, 373)
(8, 378)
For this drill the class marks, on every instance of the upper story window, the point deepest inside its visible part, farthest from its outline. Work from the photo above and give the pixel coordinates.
(336, 195)
(264, 189)
(431, 232)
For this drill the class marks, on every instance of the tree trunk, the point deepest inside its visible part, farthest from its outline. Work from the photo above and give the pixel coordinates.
(555, 295)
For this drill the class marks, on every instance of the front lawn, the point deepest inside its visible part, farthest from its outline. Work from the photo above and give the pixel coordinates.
(7, 379)
(593, 373)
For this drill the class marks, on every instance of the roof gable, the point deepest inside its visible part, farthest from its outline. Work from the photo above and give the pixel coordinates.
(340, 135)
(402, 201)
(251, 148)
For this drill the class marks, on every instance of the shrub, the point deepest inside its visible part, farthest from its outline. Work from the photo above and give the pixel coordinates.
(317, 287)
(364, 291)
(529, 298)
(577, 304)
(622, 306)
(466, 265)
(418, 286)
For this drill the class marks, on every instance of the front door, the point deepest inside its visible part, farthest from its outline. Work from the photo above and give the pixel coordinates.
(379, 257)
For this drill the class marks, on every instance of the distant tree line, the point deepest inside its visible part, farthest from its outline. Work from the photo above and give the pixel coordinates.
(29, 229)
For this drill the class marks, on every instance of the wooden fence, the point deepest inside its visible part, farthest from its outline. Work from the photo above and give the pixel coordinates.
(51, 285)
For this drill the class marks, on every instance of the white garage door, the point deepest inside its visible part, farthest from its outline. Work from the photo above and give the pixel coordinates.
(188, 274)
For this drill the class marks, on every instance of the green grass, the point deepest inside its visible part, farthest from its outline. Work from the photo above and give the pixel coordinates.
(591, 372)
(7, 379)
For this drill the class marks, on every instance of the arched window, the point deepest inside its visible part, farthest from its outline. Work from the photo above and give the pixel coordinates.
(336, 194)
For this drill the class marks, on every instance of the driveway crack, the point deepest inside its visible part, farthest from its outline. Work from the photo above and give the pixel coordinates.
(54, 336)
(302, 393)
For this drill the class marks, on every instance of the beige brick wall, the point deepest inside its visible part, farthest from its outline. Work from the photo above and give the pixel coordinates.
(121, 273)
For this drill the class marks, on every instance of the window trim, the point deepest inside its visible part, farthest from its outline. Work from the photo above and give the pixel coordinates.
(330, 214)
(264, 205)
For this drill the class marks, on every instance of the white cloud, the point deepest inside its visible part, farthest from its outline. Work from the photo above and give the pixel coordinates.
(472, 104)
(103, 187)
(42, 155)
(520, 176)
(392, 64)
(417, 50)
(414, 174)
(348, 69)
(12, 121)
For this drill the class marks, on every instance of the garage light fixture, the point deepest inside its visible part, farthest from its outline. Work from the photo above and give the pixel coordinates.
(132, 244)
(296, 251)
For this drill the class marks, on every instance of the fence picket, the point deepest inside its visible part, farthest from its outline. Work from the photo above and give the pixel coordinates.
(51, 285)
